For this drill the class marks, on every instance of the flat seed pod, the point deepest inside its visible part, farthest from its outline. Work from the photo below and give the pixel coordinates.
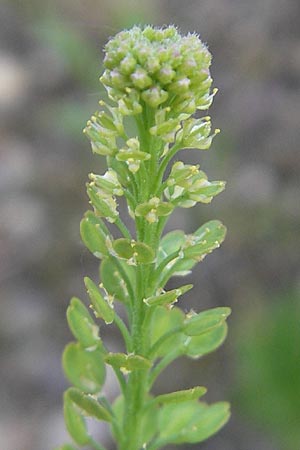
(75, 423)
(113, 281)
(205, 321)
(181, 396)
(93, 236)
(126, 362)
(82, 325)
(197, 346)
(100, 305)
(88, 405)
(85, 369)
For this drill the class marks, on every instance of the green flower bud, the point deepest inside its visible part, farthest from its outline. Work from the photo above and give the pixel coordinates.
(105, 206)
(132, 155)
(140, 79)
(154, 96)
(108, 183)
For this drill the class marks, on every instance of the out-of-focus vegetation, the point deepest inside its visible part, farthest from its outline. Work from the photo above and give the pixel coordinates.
(50, 61)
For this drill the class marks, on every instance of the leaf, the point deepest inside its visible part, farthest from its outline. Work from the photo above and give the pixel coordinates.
(82, 325)
(181, 396)
(191, 421)
(75, 422)
(113, 281)
(88, 405)
(100, 305)
(205, 321)
(93, 235)
(197, 346)
(163, 321)
(85, 369)
(126, 362)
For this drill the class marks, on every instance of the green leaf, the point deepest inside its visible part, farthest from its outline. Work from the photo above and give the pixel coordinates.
(84, 369)
(163, 321)
(100, 305)
(197, 346)
(82, 325)
(205, 321)
(167, 298)
(93, 235)
(88, 405)
(191, 422)
(75, 422)
(127, 363)
(181, 396)
(113, 281)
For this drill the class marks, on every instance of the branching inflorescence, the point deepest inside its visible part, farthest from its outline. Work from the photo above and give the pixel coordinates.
(156, 80)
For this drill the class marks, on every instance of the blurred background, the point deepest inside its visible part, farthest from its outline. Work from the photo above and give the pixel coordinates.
(50, 61)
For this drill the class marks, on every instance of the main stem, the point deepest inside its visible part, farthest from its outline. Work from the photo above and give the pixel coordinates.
(137, 383)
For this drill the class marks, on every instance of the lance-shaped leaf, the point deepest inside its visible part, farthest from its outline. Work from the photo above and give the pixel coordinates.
(191, 422)
(75, 422)
(208, 237)
(205, 321)
(163, 322)
(100, 306)
(87, 405)
(181, 396)
(167, 298)
(85, 369)
(138, 252)
(127, 363)
(82, 325)
(93, 236)
(113, 281)
(197, 346)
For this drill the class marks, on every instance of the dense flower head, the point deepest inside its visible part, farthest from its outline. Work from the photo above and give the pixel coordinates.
(155, 66)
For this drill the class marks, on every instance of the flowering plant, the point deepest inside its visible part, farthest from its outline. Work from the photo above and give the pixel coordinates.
(156, 80)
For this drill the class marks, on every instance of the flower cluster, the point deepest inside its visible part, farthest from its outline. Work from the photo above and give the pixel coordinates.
(157, 67)
(159, 79)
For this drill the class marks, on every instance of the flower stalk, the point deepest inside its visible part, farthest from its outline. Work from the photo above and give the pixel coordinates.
(156, 81)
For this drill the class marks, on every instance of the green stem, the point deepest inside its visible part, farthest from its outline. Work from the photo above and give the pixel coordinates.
(163, 165)
(122, 227)
(124, 331)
